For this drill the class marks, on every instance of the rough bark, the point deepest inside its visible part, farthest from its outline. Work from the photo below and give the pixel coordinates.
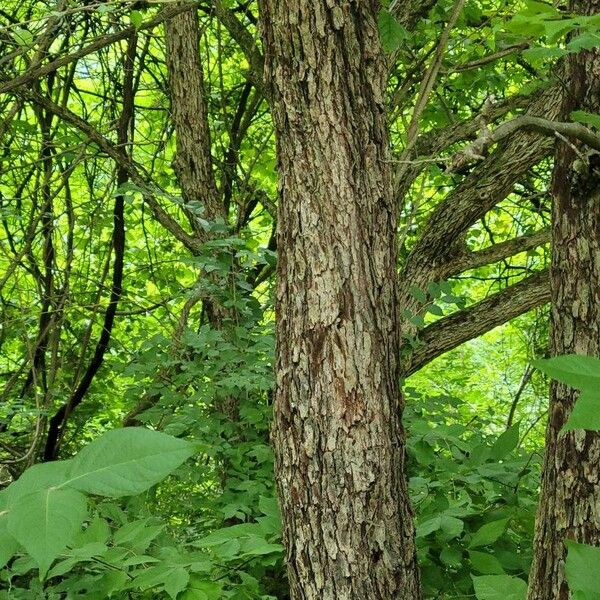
(570, 496)
(193, 162)
(339, 442)
(193, 165)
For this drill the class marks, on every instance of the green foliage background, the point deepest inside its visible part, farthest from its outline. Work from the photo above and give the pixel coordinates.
(211, 529)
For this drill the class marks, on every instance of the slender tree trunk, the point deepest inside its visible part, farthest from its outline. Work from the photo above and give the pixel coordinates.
(338, 436)
(570, 494)
(193, 161)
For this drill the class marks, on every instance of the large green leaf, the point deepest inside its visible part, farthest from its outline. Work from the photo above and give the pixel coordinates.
(583, 569)
(124, 462)
(499, 587)
(585, 413)
(392, 33)
(36, 478)
(581, 372)
(46, 521)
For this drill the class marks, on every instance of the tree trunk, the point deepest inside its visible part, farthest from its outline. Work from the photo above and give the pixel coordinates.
(193, 161)
(338, 437)
(570, 494)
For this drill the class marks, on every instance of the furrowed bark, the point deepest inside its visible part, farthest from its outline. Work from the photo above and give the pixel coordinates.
(570, 494)
(193, 167)
(339, 442)
(193, 162)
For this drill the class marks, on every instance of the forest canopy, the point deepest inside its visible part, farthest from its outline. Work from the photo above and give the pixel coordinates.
(299, 299)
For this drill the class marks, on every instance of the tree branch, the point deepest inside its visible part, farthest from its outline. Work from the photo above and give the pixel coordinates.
(457, 328)
(488, 184)
(435, 142)
(495, 253)
(245, 41)
(136, 172)
(488, 137)
(58, 422)
(38, 72)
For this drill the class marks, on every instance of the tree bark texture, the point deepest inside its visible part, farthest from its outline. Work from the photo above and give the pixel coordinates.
(193, 162)
(570, 497)
(338, 437)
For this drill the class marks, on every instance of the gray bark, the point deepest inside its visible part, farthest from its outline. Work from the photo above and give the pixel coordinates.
(339, 442)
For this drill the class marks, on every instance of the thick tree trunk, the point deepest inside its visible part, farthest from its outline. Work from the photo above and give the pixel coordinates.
(338, 436)
(570, 494)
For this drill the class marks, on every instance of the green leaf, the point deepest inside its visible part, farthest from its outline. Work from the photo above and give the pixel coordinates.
(451, 557)
(8, 544)
(392, 33)
(201, 589)
(499, 587)
(84, 554)
(434, 309)
(485, 563)
(533, 7)
(578, 371)
(258, 546)
(98, 531)
(137, 535)
(526, 26)
(487, 534)
(556, 29)
(585, 41)
(46, 521)
(37, 478)
(543, 53)
(226, 534)
(582, 568)
(451, 525)
(111, 582)
(585, 413)
(173, 578)
(505, 443)
(584, 117)
(418, 294)
(124, 462)
(269, 507)
(136, 18)
(429, 526)
(22, 36)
